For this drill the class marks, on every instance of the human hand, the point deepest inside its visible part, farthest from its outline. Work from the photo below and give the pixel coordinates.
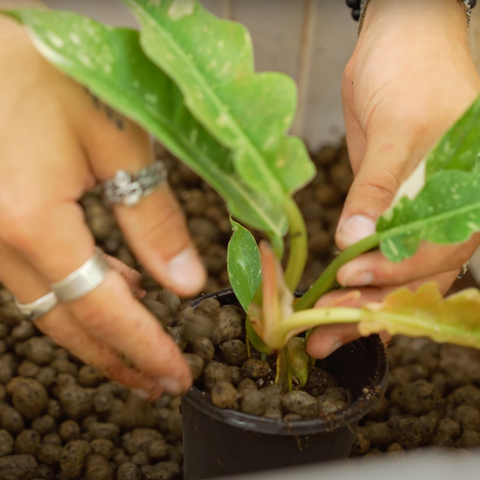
(57, 142)
(409, 79)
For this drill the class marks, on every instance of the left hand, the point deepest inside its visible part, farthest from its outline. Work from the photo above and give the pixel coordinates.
(411, 76)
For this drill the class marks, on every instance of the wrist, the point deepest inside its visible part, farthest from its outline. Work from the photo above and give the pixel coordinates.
(439, 17)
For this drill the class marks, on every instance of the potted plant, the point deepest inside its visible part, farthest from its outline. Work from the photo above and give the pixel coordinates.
(188, 78)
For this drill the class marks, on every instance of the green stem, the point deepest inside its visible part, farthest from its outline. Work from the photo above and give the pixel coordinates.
(289, 368)
(298, 245)
(249, 352)
(301, 321)
(252, 336)
(327, 279)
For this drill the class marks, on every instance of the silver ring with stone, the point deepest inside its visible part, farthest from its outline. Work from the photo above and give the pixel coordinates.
(38, 308)
(83, 280)
(129, 188)
(464, 269)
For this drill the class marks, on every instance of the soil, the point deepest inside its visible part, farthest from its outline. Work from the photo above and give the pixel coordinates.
(61, 419)
(235, 380)
(433, 399)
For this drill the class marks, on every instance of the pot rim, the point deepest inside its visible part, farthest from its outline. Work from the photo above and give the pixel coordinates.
(348, 416)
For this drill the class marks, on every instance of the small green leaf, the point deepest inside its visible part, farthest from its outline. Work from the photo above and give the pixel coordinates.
(244, 265)
(299, 359)
(211, 60)
(446, 211)
(111, 63)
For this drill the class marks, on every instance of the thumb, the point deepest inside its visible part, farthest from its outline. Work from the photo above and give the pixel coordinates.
(386, 164)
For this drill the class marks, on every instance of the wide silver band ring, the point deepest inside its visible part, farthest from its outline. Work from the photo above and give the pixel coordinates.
(38, 308)
(129, 188)
(464, 269)
(83, 280)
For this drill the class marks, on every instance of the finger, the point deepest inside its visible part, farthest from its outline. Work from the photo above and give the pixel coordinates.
(27, 285)
(155, 229)
(391, 154)
(374, 269)
(65, 331)
(110, 312)
(324, 340)
(131, 276)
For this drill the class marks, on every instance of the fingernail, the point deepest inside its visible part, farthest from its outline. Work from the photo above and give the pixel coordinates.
(142, 394)
(171, 386)
(360, 279)
(186, 271)
(356, 228)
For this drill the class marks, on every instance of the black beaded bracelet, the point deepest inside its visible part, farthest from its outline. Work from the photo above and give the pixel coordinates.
(356, 7)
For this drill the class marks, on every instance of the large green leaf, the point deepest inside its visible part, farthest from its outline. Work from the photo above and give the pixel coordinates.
(446, 211)
(440, 202)
(211, 60)
(459, 148)
(111, 63)
(244, 265)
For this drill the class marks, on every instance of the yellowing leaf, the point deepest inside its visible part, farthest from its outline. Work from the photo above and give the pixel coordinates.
(425, 313)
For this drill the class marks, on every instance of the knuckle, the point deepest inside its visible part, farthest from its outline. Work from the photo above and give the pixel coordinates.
(381, 187)
(98, 321)
(168, 229)
(18, 225)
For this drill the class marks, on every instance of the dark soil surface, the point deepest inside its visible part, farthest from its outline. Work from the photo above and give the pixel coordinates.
(60, 419)
(213, 338)
(433, 399)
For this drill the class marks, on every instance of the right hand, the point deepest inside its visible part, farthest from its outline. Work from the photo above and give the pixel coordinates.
(410, 78)
(57, 142)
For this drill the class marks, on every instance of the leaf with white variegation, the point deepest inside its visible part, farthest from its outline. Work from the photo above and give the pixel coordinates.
(441, 199)
(459, 148)
(211, 60)
(446, 211)
(111, 63)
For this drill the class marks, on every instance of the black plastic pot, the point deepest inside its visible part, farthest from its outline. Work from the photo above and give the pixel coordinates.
(220, 442)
